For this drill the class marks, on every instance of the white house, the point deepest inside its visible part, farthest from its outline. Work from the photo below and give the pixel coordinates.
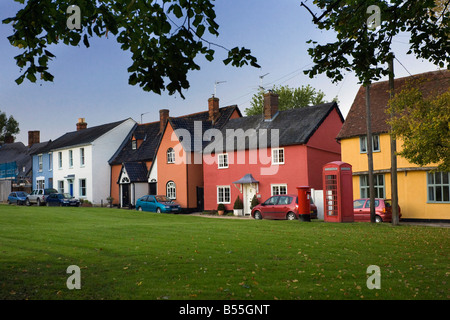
(80, 159)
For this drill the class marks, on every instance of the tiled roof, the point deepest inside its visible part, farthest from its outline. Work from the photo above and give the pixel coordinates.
(294, 126)
(20, 154)
(436, 82)
(137, 171)
(188, 123)
(84, 136)
(149, 132)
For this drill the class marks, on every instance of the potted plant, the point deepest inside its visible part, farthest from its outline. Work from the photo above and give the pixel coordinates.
(238, 207)
(221, 209)
(85, 203)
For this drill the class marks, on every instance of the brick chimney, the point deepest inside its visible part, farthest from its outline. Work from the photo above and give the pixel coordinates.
(9, 139)
(33, 137)
(81, 124)
(163, 117)
(213, 109)
(270, 105)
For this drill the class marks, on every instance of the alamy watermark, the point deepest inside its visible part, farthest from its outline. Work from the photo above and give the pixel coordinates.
(74, 281)
(74, 21)
(242, 147)
(374, 280)
(374, 20)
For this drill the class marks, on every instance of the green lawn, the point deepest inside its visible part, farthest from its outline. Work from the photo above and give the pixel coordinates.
(126, 254)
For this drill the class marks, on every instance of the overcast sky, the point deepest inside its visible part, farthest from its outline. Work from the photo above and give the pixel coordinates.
(93, 83)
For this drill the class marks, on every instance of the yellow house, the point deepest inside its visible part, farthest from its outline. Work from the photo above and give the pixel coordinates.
(423, 194)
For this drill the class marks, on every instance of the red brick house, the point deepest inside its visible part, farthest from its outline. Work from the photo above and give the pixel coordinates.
(299, 142)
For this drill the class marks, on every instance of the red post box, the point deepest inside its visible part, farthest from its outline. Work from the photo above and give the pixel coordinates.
(304, 206)
(338, 192)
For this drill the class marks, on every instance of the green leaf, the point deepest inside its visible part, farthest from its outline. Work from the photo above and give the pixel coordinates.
(86, 41)
(19, 80)
(31, 77)
(200, 30)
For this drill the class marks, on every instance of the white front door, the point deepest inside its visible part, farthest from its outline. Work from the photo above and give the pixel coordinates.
(248, 191)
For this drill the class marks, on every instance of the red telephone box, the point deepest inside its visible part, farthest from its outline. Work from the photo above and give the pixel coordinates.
(338, 192)
(304, 203)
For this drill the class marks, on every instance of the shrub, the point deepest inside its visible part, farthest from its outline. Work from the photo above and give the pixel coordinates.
(255, 202)
(238, 204)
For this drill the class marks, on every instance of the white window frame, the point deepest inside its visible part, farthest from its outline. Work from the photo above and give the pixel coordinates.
(171, 190)
(224, 194)
(50, 161)
(170, 155)
(82, 157)
(70, 158)
(276, 156)
(379, 182)
(223, 161)
(60, 160)
(83, 189)
(375, 143)
(276, 189)
(40, 163)
(61, 186)
(40, 183)
(435, 187)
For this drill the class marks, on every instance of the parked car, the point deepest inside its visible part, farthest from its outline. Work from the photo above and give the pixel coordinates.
(283, 206)
(17, 197)
(38, 196)
(62, 200)
(157, 204)
(383, 210)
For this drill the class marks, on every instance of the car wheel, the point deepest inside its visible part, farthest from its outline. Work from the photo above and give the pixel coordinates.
(38, 202)
(139, 208)
(290, 216)
(378, 219)
(27, 202)
(258, 215)
(9, 202)
(158, 210)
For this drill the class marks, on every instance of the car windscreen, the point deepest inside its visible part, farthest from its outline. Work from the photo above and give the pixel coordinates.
(162, 199)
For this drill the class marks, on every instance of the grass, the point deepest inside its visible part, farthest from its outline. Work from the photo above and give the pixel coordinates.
(125, 254)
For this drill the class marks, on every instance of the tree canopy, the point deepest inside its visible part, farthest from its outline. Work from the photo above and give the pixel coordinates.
(288, 98)
(9, 127)
(367, 52)
(423, 124)
(164, 37)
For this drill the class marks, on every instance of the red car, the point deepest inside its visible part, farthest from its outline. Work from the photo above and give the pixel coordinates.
(383, 210)
(283, 206)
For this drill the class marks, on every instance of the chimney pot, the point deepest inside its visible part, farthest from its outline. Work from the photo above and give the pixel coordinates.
(163, 117)
(270, 105)
(81, 124)
(33, 137)
(213, 109)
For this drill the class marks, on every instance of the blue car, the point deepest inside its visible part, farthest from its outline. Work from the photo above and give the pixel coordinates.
(17, 197)
(62, 200)
(157, 204)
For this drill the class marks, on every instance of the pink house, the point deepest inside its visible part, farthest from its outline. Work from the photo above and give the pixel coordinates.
(270, 154)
